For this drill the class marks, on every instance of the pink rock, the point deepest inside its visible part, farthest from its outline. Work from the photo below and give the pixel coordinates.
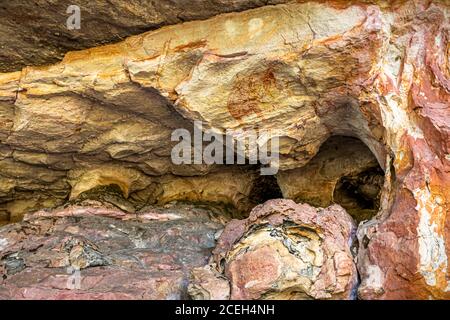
(74, 255)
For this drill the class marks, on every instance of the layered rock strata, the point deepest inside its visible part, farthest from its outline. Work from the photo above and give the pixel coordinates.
(34, 32)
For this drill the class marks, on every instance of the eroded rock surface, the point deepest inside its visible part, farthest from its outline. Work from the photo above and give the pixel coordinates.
(287, 70)
(377, 71)
(104, 253)
(283, 250)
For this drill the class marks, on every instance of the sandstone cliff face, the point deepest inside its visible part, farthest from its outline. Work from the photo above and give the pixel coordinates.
(303, 71)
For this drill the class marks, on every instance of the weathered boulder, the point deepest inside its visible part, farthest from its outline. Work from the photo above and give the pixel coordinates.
(283, 250)
(206, 283)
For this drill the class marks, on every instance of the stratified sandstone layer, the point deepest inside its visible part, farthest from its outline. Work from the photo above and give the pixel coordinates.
(283, 250)
(376, 71)
(105, 115)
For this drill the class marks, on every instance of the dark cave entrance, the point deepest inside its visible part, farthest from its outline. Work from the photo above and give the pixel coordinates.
(344, 171)
(360, 194)
(265, 188)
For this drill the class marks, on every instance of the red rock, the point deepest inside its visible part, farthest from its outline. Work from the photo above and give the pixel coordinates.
(406, 249)
(308, 70)
(207, 284)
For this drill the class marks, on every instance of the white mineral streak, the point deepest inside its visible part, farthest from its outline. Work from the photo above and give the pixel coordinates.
(433, 258)
(399, 73)
(375, 277)
(394, 71)
(3, 244)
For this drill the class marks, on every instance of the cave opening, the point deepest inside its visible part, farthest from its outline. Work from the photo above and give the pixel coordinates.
(360, 194)
(265, 188)
(345, 172)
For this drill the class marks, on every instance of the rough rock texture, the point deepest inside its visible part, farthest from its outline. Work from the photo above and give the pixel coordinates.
(118, 255)
(283, 250)
(105, 115)
(206, 283)
(378, 71)
(34, 32)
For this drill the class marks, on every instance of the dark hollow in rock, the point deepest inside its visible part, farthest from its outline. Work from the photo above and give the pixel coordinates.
(265, 188)
(360, 194)
(345, 172)
(111, 194)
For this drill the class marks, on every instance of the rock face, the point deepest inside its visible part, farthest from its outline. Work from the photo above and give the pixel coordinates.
(283, 250)
(303, 72)
(121, 103)
(103, 253)
(206, 283)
